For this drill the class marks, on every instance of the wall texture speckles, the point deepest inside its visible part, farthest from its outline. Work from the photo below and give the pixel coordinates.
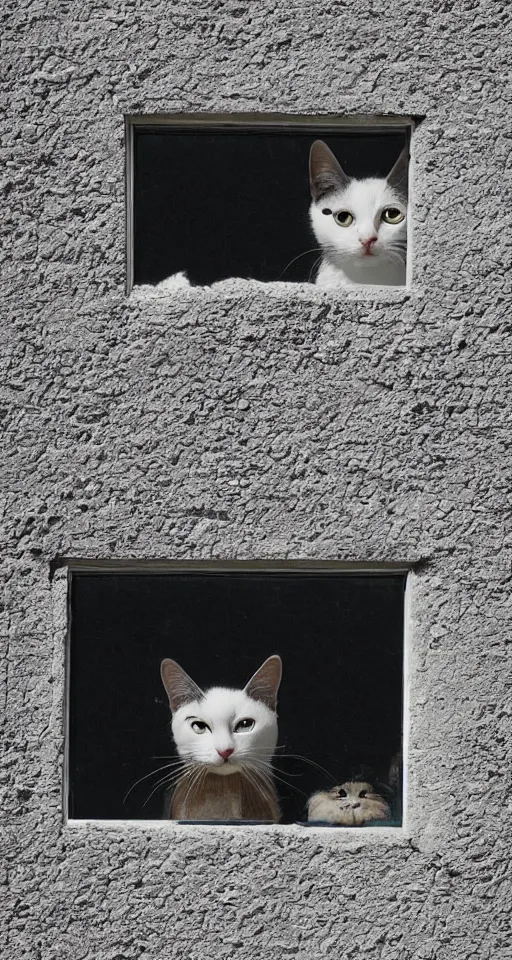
(249, 422)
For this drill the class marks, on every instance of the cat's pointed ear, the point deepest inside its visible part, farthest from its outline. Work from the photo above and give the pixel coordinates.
(181, 689)
(264, 684)
(398, 177)
(325, 173)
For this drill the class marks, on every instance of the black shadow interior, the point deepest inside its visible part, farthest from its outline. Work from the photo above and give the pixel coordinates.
(220, 204)
(340, 705)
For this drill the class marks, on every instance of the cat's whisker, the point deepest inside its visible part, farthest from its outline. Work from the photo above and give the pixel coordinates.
(395, 255)
(165, 757)
(285, 772)
(168, 789)
(264, 789)
(258, 782)
(195, 780)
(297, 756)
(160, 783)
(271, 765)
(147, 776)
(313, 268)
(170, 782)
(305, 254)
(281, 780)
(175, 775)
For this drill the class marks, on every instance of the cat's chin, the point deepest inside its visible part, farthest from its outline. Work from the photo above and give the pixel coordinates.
(366, 259)
(223, 769)
(374, 269)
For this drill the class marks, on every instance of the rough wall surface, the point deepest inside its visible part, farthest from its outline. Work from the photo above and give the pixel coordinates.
(247, 422)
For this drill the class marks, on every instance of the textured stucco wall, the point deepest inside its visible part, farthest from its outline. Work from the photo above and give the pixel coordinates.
(246, 422)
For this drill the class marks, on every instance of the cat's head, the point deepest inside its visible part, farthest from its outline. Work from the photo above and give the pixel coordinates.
(355, 794)
(352, 803)
(220, 728)
(358, 222)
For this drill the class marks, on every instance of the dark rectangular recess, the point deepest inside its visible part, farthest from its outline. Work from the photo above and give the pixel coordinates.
(340, 636)
(232, 200)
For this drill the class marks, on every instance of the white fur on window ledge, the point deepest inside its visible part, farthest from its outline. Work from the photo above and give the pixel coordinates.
(176, 281)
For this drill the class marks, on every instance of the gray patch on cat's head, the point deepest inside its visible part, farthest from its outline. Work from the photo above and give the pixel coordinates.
(180, 688)
(264, 684)
(325, 173)
(398, 177)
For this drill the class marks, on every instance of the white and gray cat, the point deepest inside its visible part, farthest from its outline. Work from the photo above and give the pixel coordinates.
(351, 804)
(225, 740)
(360, 225)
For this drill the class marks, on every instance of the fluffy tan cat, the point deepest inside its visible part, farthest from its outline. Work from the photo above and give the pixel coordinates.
(352, 804)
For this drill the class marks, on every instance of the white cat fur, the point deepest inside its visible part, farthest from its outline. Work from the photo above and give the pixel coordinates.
(346, 259)
(238, 785)
(175, 282)
(221, 708)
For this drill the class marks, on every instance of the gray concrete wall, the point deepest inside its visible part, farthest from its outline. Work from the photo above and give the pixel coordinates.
(353, 426)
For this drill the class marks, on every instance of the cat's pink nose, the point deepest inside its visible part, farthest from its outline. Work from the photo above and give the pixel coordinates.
(368, 244)
(225, 754)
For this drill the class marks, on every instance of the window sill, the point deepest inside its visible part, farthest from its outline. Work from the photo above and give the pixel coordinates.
(348, 836)
(306, 292)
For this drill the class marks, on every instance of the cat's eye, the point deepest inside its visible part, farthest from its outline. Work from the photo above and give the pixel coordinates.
(362, 794)
(342, 793)
(243, 726)
(392, 215)
(199, 726)
(343, 218)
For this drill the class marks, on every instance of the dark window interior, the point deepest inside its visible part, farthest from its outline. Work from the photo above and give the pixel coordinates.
(220, 204)
(340, 705)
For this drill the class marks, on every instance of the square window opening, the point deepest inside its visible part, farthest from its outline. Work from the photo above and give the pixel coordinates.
(339, 720)
(214, 198)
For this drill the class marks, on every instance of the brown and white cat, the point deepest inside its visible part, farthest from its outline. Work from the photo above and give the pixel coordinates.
(352, 804)
(225, 739)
